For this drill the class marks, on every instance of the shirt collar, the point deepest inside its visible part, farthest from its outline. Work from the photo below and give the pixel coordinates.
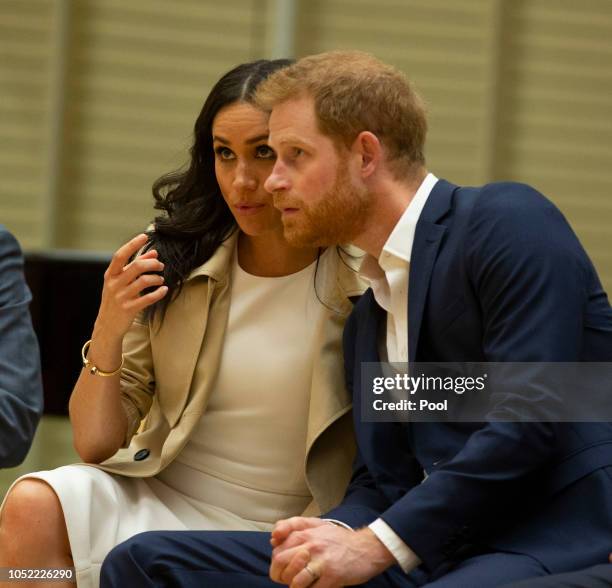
(400, 241)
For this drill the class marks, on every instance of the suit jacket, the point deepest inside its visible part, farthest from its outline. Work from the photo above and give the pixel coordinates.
(164, 395)
(21, 398)
(496, 275)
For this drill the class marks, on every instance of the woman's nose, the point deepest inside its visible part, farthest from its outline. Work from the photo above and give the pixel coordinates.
(244, 179)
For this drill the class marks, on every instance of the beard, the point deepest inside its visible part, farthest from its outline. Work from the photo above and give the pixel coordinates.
(336, 218)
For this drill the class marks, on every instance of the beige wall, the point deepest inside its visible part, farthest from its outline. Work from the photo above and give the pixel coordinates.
(98, 98)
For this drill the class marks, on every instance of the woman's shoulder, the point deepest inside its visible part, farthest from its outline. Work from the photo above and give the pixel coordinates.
(218, 265)
(341, 268)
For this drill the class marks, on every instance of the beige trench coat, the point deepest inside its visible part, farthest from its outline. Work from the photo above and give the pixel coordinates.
(164, 396)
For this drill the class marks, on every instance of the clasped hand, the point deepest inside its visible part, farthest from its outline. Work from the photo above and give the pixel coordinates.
(314, 552)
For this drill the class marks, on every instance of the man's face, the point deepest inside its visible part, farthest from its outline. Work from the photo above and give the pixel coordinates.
(320, 196)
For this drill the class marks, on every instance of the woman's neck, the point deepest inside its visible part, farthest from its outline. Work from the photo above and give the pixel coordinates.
(269, 255)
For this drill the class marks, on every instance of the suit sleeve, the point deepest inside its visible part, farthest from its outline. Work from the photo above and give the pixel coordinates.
(21, 397)
(529, 274)
(362, 502)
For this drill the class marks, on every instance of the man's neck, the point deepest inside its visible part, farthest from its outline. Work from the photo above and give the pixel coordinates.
(390, 202)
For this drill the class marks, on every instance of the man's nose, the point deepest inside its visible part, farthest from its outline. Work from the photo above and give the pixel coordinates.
(277, 180)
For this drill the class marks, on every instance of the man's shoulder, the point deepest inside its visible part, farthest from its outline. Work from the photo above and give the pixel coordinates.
(8, 243)
(12, 284)
(509, 203)
(508, 196)
(503, 194)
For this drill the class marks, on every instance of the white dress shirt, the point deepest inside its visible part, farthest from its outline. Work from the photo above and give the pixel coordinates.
(388, 277)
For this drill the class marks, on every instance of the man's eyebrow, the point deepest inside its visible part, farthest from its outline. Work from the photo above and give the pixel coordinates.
(293, 139)
(257, 139)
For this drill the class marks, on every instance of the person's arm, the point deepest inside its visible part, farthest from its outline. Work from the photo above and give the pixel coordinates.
(21, 398)
(363, 500)
(101, 418)
(529, 273)
(362, 503)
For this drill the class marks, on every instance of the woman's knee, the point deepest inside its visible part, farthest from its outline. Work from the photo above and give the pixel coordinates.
(30, 503)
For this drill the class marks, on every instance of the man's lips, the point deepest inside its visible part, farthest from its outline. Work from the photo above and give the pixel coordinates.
(286, 208)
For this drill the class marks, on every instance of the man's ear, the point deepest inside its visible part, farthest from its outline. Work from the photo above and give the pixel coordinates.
(370, 152)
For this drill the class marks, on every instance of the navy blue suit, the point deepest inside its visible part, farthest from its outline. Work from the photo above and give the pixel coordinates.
(496, 275)
(21, 398)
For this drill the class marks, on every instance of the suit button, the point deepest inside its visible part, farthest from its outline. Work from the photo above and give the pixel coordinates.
(142, 454)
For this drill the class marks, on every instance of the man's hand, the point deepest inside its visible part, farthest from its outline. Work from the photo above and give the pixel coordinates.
(282, 529)
(323, 555)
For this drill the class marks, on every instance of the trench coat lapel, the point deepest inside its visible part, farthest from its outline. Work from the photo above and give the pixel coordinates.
(198, 315)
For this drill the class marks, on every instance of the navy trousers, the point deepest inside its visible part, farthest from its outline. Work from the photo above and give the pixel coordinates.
(231, 559)
(596, 577)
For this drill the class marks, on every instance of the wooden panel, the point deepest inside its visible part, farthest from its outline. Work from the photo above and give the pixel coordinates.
(139, 73)
(26, 47)
(444, 47)
(556, 123)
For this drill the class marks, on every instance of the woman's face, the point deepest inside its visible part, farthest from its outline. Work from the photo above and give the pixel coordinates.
(243, 161)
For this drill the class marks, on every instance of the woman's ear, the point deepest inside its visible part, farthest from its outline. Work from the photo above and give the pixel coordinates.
(369, 151)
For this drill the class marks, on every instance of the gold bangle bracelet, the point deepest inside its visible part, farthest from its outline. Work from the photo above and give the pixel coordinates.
(93, 369)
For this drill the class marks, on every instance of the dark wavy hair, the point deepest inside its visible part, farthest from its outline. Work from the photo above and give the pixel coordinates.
(196, 219)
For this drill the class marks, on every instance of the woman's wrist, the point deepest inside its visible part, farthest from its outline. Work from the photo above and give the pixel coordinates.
(105, 349)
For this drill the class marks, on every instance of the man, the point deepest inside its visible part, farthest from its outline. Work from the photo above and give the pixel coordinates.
(20, 383)
(491, 274)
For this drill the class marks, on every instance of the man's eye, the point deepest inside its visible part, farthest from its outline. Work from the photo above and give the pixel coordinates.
(297, 152)
(224, 153)
(265, 152)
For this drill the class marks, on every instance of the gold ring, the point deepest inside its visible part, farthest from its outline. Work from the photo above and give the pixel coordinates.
(314, 575)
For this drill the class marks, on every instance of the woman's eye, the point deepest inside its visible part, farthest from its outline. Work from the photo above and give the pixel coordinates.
(265, 152)
(297, 152)
(224, 153)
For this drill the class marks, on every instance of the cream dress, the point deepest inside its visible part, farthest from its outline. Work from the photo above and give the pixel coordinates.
(243, 468)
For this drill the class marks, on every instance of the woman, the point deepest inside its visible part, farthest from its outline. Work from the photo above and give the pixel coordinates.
(212, 395)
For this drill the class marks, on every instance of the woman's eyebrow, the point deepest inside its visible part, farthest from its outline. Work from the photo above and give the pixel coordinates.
(257, 139)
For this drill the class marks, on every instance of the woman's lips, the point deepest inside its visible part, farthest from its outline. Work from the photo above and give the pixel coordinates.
(246, 209)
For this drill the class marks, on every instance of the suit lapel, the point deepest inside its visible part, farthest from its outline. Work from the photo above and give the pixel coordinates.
(427, 239)
(374, 322)
(369, 334)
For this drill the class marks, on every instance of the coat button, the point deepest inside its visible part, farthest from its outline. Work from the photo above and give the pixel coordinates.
(142, 454)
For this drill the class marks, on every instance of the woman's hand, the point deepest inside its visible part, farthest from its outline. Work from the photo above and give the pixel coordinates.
(123, 283)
